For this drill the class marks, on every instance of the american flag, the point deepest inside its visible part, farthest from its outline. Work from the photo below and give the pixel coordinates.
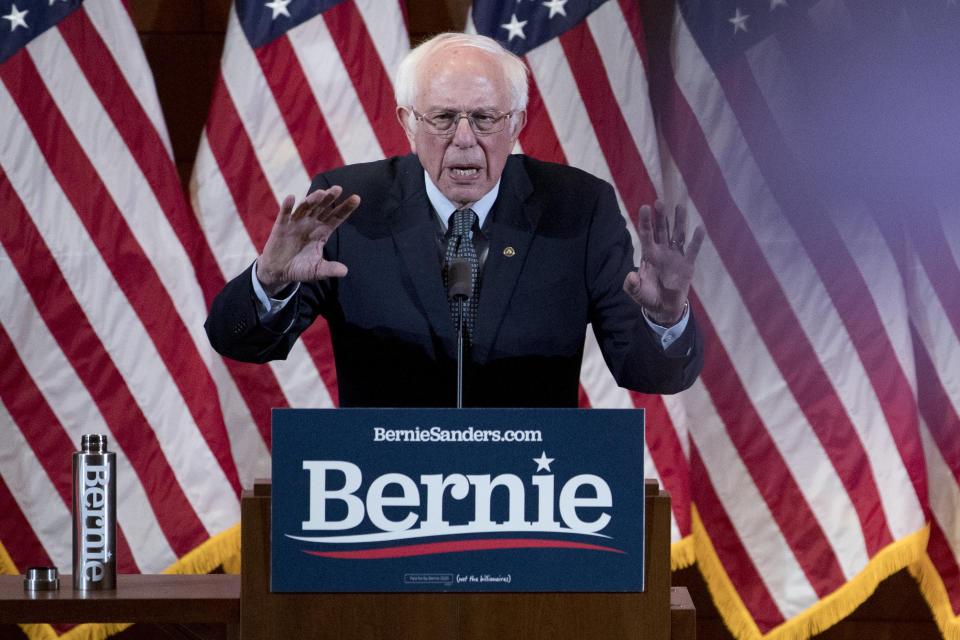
(824, 435)
(107, 273)
(820, 450)
(101, 321)
(303, 87)
(590, 108)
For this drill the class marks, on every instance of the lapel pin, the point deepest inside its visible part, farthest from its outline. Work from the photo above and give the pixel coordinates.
(509, 252)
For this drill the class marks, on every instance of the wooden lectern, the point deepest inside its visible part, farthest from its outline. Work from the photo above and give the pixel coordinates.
(464, 616)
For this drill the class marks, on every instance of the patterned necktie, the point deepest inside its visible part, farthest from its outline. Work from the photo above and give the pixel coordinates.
(460, 247)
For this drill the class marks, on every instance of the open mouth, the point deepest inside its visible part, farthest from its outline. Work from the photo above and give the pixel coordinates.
(464, 172)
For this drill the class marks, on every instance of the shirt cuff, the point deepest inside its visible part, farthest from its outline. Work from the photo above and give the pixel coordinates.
(267, 307)
(668, 335)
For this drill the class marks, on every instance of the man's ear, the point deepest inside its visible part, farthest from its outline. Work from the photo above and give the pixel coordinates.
(519, 121)
(405, 116)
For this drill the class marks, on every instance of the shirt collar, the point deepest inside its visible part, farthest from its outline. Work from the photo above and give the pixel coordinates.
(444, 208)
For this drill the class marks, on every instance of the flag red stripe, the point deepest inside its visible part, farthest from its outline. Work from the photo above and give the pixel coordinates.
(837, 269)
(125, 560)
(132, 272)
(257, 385)
(374, 87)
(737, 564)
(768, 469)
(301, 113)
(233, 151)
(19, 539)
(173, 339)
(81, 346)
(935, 406)
(631, 14)
(30, 412)
(50, 444)
(144, 143)
(583, 400)
(667, 455)
(142, 138)
(623, 159)
(778, 327)
(318, 152)
(946, 563)
(539, 138)
(317, 341)
(930, 243)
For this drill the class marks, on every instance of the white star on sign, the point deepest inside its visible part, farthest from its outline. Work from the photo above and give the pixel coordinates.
(16, 18)
(543, 462)
(739, 21)
(556, 6)
(279, 8)
(515, 27)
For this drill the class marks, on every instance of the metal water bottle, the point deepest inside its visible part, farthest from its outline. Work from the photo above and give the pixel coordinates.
(94, 515)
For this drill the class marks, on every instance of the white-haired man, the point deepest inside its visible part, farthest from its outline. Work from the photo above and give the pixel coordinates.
(548, 246)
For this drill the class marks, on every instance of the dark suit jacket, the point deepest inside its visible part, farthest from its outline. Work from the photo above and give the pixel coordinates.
(558, 254)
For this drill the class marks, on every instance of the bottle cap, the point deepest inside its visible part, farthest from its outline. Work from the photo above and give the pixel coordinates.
(41, 579)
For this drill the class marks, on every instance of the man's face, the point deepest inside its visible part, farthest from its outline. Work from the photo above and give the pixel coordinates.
(464, 166)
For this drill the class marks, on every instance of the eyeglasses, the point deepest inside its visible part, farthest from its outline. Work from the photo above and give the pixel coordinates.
(444, 122)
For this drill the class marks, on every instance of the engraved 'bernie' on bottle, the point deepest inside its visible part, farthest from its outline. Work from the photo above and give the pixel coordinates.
(94, 514)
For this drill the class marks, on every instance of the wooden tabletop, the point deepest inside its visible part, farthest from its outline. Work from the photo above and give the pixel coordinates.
(137, 598)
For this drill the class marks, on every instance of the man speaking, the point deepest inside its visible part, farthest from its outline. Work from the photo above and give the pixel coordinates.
(546, 249)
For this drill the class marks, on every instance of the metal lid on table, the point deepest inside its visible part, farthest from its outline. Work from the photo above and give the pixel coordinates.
(41, 579)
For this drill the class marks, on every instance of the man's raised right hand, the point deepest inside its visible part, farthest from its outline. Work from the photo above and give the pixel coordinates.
(294, 250)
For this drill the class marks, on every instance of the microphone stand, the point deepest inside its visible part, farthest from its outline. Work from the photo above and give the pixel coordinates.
(461, 329)
(459, 289)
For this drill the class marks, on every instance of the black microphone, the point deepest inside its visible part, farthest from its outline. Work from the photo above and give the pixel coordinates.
(459, 285)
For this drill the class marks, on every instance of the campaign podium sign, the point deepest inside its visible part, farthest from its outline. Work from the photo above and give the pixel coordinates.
(381, 500)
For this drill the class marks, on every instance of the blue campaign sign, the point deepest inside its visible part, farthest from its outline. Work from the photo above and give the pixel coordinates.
(457, 500)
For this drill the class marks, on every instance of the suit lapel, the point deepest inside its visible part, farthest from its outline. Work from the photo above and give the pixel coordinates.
(511, 231)
(414, 232)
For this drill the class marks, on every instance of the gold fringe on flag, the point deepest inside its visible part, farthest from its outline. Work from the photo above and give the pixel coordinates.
(904, 553)
(7, 567)
(935, 593)
(682, 554)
